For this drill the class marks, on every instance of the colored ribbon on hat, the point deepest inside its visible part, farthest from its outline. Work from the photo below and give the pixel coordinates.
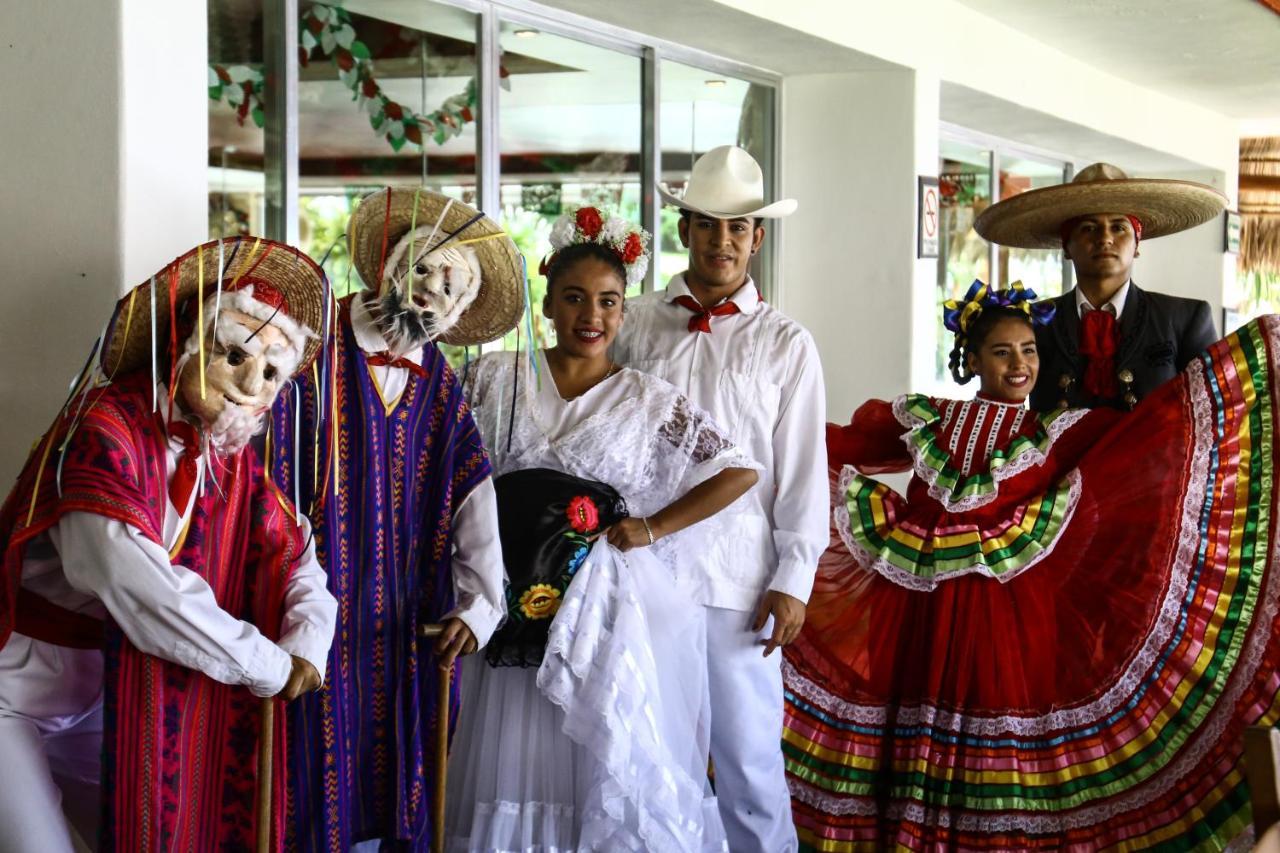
(185, 474)
(1099, 340)
(386, 359)
(701, 319)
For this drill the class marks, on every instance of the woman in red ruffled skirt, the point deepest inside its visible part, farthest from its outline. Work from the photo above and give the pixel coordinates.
(1056, 639)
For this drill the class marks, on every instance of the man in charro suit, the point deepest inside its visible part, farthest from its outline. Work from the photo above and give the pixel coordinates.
(1110, 342)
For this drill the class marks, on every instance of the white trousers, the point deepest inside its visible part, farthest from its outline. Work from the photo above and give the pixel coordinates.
(746, 735)
(50, 747)
(41, 765)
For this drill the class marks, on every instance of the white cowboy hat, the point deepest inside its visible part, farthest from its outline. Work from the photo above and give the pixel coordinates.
(727, 183)
(1031, 220)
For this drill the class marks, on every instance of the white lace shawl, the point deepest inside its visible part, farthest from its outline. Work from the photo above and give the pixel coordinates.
(641, 436)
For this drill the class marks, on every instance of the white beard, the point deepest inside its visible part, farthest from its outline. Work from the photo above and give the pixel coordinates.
(231, 432)
(447, 280)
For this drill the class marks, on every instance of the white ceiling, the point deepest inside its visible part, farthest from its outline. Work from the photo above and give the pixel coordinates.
(1053, 137)
(1223, 55)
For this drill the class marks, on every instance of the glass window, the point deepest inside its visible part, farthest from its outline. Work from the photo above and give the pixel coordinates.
(1038, 269)
(569, 127)
(388, 94)
(964, 185)
(236, 179)
(701, 110)
(386, 97)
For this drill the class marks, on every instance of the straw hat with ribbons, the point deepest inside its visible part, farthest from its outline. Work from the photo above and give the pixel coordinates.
(281, 275)
(382, 218)
(1034, 219)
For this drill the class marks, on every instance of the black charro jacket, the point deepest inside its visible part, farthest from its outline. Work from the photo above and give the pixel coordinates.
(1159, 335)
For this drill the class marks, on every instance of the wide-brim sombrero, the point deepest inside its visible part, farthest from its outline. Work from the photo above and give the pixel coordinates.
(128, 343)
(1034, 219)
(381, 219)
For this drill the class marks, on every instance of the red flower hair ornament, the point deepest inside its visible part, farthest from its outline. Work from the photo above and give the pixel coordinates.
(588, 225)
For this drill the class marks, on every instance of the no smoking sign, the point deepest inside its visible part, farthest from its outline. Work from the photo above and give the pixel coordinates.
(927, 208)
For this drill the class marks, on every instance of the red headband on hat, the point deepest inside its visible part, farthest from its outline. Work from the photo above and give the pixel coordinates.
(264, 292)
(1065, 231)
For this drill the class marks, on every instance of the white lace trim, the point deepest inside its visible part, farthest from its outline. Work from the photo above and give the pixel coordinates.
(601, 687)
(1192, 753)
(872, 561)
(654, 445)
(1028, 457)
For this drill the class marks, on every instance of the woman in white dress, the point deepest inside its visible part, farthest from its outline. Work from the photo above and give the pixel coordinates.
(584, 723)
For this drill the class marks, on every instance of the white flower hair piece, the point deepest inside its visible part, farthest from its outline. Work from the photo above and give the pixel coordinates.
(588, 225)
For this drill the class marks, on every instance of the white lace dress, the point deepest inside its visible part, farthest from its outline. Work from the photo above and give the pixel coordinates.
(604, 747)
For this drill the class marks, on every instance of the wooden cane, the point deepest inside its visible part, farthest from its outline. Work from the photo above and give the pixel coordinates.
(442, 741)
(266, 755)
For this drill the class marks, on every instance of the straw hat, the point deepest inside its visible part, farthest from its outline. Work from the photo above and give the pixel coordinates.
(726, 183)
(383, 218)
(1032, 220)
(266, 264)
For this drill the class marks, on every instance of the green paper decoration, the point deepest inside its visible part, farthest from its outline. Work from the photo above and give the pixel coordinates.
(329, 29)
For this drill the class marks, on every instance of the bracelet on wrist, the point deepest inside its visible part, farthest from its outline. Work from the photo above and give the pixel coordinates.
(648, 529)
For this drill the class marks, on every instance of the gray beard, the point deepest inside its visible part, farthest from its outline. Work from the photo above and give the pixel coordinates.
(402, 325)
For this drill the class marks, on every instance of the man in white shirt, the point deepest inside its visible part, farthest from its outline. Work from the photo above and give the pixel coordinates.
(406, 513)
(150, 512)
(757, 373)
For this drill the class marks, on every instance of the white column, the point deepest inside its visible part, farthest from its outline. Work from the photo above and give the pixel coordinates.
(164, 111)
(852, 146)
(1192, 263)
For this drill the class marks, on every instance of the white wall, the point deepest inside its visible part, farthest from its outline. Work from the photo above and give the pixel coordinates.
(1193, 263)
(60, 256)
(852, 145)
(103, 165)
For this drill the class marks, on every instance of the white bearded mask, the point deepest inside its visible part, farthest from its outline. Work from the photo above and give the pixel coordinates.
(251, 354)
(424, 296)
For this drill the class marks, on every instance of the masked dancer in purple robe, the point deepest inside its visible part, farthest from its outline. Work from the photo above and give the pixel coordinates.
(398, 483)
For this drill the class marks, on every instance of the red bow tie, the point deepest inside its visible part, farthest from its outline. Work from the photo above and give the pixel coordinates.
(183, 482)
(386, 359)
(701, 319)
(1099, 340)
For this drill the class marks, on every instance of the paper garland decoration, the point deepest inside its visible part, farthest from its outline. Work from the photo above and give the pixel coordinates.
(329, 29)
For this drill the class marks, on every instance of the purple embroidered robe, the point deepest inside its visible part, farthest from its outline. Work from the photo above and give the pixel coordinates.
(382, 499)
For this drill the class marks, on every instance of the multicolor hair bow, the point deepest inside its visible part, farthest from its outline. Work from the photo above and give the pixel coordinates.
(958, 315)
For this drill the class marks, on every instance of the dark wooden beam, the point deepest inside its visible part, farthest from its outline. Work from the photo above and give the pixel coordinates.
(1260, 183)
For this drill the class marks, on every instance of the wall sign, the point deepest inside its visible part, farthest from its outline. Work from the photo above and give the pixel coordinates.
(928, 222)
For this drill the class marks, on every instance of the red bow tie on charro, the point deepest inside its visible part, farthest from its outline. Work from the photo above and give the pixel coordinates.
(386, 359)
(184, 476)
(1099, 340)
(701, 319)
